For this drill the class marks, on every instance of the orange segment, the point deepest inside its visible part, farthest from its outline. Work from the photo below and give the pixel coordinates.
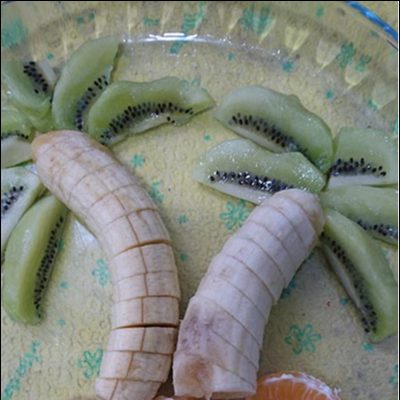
(292, 386)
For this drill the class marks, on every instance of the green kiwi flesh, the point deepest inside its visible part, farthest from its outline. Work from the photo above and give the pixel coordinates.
(363, 157)
(277, 122)
(130, 107)
(243, 169)
(85, 75)
(19, 189)
(16, 135)
(29, 259)
(362, 268)
(373, 208)
(30, 86)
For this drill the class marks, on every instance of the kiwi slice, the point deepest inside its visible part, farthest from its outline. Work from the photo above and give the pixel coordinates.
(362, 268)
(130, 107)
(363, 157)
(243, 169)
(30, 85)
(16, 135)
(85, 75)
(374, 209)
(19, 189)
(29, 259)
(278, 122)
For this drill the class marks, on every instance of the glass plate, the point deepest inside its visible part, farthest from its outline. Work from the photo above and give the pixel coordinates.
(341, 65)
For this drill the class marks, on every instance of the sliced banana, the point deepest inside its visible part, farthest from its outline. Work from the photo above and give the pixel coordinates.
(253, 257)
(215, 355)
(113, 205)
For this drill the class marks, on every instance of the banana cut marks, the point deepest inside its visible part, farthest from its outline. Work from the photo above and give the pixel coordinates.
(111, 202)
(221, 334)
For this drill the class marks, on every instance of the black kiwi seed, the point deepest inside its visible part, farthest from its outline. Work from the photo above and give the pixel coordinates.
(46, 264)
(134, 114)
(264, 183)
(385, 230)
(369, 318)
(355, 167)
(87, 98)
(272, 132)
(39, 82)
(9, 198)
(5, 135)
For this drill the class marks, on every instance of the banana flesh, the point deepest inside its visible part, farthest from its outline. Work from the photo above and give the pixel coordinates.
(221, 334)
(125, 220)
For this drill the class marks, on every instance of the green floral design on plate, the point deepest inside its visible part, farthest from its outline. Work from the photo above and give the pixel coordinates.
(207, 137)
(329, 94)
(182, 219)
(13, 33)
(64, 285)
(183, 257)
(344, 301)
(151, 21)
(288, 290)
(288, 65)
(320, 12)
(90, 363)
(137, 161)
(302, 339)
(395, 127)
(372, 105)
(394, 378)
(101, 272)
(345, 57)
(82, 19)
(231, 56)
(362, 63)
(190, 21)
(61, 322)
(368, 347)
(235, 214)
(155, 193)
(254, 21)
(25, 364)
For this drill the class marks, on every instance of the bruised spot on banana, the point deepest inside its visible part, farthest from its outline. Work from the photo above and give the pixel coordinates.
(110, 201)
(221, 334)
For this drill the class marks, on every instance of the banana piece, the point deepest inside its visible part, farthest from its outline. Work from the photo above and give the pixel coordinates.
(145, 311)
(254, 258)
(221, 334)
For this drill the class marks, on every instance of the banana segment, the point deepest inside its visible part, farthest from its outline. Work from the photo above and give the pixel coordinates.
(147, 258)
(123, 389)
(125, 220)
(163, 311)
(221, 334)
(253, 257)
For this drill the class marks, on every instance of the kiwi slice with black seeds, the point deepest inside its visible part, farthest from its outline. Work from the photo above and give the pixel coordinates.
(362, 268)
(83, 78)
(363, 157)
(277, 122)
(30, 86)
(130, 107)
(19, 189)
(373, 208)
(16, 136)
(243, 169)
(29, 259)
